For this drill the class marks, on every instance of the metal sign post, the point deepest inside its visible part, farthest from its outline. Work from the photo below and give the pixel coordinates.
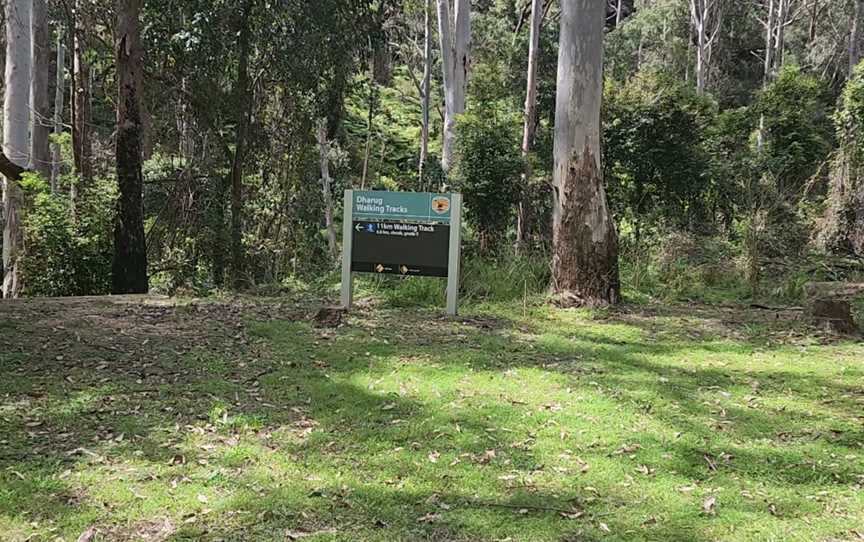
(402, 233)
(455, 257)
(347, 295)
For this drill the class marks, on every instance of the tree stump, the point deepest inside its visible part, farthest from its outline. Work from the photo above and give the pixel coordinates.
(835, 313)
(830, 303)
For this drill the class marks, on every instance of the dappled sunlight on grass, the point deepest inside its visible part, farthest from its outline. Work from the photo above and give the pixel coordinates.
(538, 425)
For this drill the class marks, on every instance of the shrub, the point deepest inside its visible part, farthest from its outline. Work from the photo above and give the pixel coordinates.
(654, 167)
(66, 255)
(488, 172)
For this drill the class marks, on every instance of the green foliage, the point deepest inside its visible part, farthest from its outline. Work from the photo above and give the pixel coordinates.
(655, 167)
(849, 117)
(488, 170)
(797, 128)
(676, 266)
(66, 254)
(731, 162)
(841, 228)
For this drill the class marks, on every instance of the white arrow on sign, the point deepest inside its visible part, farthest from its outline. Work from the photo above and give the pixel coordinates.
(358, 227)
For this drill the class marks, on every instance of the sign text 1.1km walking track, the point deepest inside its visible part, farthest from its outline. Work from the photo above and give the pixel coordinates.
(402, 233)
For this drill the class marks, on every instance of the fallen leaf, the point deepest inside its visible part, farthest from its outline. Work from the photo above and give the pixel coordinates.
(605, 528)
(87, 535)
(203, 499)
(575, 514)
(708, 504)
(433, 457)
(429, 518)
(487, 457)
(626, 449)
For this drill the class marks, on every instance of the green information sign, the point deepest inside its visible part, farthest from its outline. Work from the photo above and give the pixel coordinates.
(402, 233)
(407, 206)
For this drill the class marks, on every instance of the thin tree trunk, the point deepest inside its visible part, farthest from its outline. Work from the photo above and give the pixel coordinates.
(780, 47)
(81, 131)
(814, 19)
(40, 105)
(16, 133)
(585, 241)
(327, 188)
(769, 41)
(855, 36)
(129, 268)
(706, 18)
(56, 155)
(244, 103)
(426, 89)
(698, 14)
(529, 127)
(370, 126)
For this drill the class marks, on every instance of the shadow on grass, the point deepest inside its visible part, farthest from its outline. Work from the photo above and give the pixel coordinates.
(386, 466)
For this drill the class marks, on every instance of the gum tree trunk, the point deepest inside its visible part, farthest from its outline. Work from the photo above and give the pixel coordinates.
(456, 66)
(16, 133)
(529, 128)
(327, 188)
(56, 157)
(706, 18)
(129, 269)
(82, 145)
(585, 241)
(426, 89)
(40, 105)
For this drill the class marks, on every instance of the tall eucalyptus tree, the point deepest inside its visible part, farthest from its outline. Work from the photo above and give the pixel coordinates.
(585, 239)
(16, 132)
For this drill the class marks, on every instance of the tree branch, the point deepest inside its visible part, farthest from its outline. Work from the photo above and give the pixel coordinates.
(11, 170)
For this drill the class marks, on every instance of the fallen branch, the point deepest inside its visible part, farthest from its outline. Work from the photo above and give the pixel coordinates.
(775, 309)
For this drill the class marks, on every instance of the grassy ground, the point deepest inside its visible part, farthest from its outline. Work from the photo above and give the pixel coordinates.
(147, 420)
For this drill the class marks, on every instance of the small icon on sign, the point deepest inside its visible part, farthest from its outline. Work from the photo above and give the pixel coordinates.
(441, 204)
(404, 269)
(370, 228)
(379, 268)
(358, 228)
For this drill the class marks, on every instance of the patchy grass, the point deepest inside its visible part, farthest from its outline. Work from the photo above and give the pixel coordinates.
(148, 420)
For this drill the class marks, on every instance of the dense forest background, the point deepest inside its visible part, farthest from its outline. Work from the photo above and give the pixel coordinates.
(731, 141)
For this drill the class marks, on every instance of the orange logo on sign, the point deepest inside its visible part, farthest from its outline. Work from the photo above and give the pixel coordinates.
(441, 205)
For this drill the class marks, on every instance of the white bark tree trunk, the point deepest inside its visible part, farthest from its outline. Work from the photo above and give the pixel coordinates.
(530, 121)
(585, 240)
(456, 66)
(40, 105)
(706, 17)
(529, 127)
(426, 89)
(769, 40)
(327, 188)
(462, 52)
(16, 131)
(56, 156)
